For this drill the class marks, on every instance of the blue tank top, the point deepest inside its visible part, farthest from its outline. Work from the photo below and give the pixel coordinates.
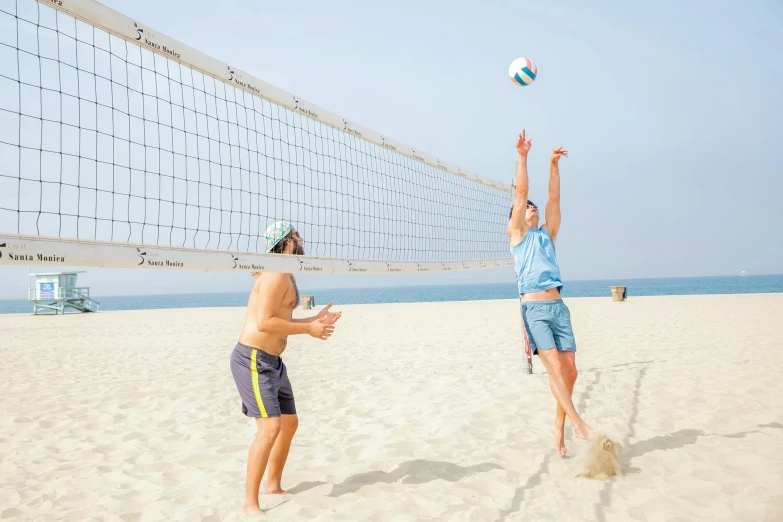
(535, 262)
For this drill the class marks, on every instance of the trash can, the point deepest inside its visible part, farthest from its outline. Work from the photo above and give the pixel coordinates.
(619, 293)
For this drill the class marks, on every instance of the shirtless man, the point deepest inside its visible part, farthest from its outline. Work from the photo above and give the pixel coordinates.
(546, 319)
(259, 372)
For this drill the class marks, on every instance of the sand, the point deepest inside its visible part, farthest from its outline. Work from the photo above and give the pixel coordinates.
(410, 412)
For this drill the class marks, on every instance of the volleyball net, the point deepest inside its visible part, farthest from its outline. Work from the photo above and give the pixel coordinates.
(121, 147)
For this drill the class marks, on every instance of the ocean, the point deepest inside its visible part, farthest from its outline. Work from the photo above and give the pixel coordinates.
(417, 294)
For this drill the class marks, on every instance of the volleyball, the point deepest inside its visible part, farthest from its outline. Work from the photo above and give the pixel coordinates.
(522, 71)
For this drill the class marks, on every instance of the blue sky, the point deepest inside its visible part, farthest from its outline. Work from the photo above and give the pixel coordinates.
(670, 111)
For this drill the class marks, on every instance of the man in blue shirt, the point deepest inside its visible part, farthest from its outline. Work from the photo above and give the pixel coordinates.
(546, 319)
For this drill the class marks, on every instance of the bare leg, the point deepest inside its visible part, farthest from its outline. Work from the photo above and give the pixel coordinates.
(568, 364)
(258, 456)
(560, 390)
(280, 453)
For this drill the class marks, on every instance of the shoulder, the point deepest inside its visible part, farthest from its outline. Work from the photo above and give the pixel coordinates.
(274, 280)
(268, 277)
(519, 239)
(545, 230)
(273, 276)
(515, 240)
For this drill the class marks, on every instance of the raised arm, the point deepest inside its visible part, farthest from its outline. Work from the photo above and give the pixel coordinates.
(517, 227)
(552, 213)
(271, 293)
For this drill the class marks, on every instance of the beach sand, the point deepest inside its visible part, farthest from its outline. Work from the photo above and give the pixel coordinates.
(410, 412)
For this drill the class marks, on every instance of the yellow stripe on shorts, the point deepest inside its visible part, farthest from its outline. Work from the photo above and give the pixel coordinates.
(254, 378)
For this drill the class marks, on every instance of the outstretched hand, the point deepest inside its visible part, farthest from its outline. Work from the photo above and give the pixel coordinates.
(320, 329)
(523, 145)
(557, 154)
(322, 326)
(327, 316)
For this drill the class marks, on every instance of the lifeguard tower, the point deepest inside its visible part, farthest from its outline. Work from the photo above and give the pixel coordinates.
(57, 292)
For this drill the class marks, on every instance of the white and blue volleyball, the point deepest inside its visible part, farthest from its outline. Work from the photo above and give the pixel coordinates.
(522, 71)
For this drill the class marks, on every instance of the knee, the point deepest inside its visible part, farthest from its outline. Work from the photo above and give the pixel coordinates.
(269, 430)
(552, 363)
(556, 370)
(568, 369)
(290, 423)
(567, 372)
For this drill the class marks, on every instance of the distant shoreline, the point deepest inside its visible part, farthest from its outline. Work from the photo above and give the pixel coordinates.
(477, 301)
(732, 285)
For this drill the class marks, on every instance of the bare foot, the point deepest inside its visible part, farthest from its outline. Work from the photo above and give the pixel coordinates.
(559, 442)
(252, 510)
(275, 491)
(583, 431)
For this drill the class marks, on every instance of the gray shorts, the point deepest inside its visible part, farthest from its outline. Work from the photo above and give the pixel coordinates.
(262, 382)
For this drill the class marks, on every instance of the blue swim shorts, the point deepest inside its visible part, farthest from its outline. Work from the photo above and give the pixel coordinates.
(548, 325)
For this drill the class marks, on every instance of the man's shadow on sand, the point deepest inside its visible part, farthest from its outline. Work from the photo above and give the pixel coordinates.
(678, 439)
(682, 438)
(414, 472)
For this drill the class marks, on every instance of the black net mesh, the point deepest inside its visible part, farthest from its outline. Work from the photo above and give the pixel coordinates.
(101, 139)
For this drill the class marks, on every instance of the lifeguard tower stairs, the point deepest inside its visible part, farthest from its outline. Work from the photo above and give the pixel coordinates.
(56, 292)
